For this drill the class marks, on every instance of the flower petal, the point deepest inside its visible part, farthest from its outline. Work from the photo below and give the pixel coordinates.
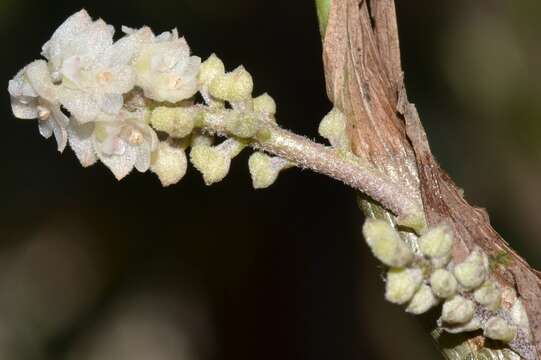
(120, 165)
(81, 141)
(40, 79)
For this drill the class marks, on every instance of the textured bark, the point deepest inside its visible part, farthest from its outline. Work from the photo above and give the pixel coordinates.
(365, 81)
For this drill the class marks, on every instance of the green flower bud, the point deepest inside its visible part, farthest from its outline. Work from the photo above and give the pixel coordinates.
(333, 127)
(437, 241)
(457, 310)
(472, 272)
(265, 103)
(265, 169)
(176, 121)
(386, 244)
(169, 163)
(234, 86)
(443, 283)
(497, 328)
(243, 125)
(402, 284)
(211, 68)
(489, 295)
(422, 301)
(214, 161)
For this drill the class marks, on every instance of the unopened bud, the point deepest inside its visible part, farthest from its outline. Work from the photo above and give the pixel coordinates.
(265, 103)
(472, 272)
(264, 169)
(333, 128)
(234, 86)
(497, 328)
(169, 163)
(386, 244)
(489, 295)
(443, 283)
(402, 284)
(457, 310)
(211, 68)
(422, 301)
(437, 241)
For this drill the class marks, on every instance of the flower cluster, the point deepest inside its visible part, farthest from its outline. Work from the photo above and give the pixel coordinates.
(421, 275)
(130, 103)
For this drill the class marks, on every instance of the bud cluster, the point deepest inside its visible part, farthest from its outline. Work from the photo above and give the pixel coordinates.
(423, 275)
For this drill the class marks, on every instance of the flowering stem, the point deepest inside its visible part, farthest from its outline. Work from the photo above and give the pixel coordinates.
(338, 164)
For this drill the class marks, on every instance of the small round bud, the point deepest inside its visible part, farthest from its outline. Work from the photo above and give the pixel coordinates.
(264, 169)
(177, 122)
(457, 310)
(211, 162)
(443, 283)
(489, 295)
(169, 163)
(234, 86)
(386, 244)
(497, 328)
(265, 103)
(402, 284)
(333, 128)
(472, 272)
(243, 125)
(211, 68)
(422, 301)
(437, 241)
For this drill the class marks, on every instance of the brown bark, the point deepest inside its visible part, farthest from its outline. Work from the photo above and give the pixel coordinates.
(365, 81)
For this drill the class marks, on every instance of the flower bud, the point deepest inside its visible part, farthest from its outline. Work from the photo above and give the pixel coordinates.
(443, 283)
(422, 301)
(520, 317)
(243, 125)
(176, 121)
(234, 86)
(214, 161)
(457, 310)
(472, 272)
(265, 169)
(333, 128)
(386, 244)
(265, 103)
(169, 163)
(437, 241)
(489, 295)
(497, 328)
(211, 68)
(402, 284)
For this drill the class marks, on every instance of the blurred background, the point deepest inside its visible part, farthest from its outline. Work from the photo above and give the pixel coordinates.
(92, 268)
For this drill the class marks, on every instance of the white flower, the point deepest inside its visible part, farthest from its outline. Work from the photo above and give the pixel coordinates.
(33, 95)
(165, 70)
(94, 72)
(122, 144)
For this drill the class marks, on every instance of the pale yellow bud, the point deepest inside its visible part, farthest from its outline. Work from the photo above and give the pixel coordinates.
(386, 244)
(234, 86)
(211, 68)
(264, 169)
(489, 295)
(472, 272)
(497, 328)
(402, 284)
(211, 162)
(333, 127)
(176, 121)
(457, 310)
(243, 125)
(443, 283)
(169, 163)
(214, 161)
(422, 301)
(437, 242)
(265, 103)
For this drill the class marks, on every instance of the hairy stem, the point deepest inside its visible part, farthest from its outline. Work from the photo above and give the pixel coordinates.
(338, 164)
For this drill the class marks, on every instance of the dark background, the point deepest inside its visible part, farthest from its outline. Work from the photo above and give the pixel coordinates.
(92, 268)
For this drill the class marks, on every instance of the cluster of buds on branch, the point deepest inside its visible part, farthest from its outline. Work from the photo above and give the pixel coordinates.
(131, 103)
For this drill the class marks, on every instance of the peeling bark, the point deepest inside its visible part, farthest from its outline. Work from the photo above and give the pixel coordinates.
(364, 80)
